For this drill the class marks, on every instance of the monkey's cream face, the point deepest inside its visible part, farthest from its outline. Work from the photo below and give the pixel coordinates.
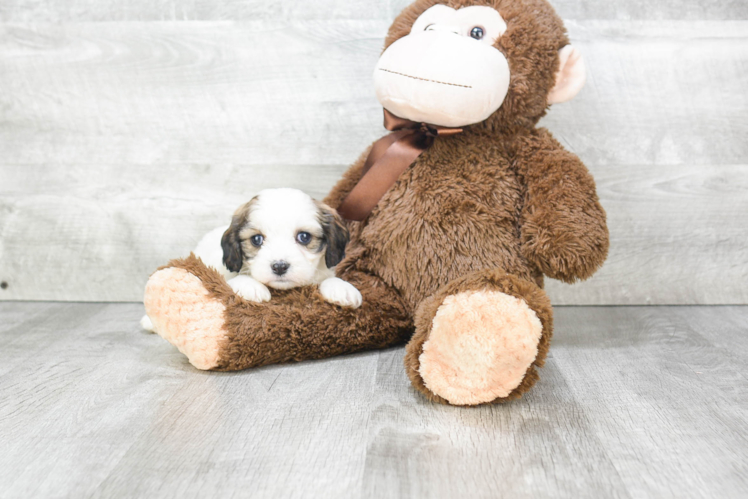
(446, 71)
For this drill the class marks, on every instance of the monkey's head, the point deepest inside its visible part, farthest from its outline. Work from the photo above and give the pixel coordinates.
(456, 63)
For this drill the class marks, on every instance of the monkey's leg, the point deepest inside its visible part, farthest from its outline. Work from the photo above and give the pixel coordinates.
(480, 339)
(192, 307)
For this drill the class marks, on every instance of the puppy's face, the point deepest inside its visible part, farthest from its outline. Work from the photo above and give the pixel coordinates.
(284, 239)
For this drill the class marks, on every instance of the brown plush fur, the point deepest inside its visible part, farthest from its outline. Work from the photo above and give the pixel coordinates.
(491, 279)
(493, 208)
(299, 324)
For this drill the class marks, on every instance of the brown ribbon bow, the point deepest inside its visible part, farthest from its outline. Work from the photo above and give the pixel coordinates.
(389, 157)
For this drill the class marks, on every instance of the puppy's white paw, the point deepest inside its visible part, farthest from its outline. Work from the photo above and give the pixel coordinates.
(250, 289)
(146, 324)
(342, 293)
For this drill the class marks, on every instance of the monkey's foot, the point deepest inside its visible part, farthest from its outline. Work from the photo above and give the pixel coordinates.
(185, 314)
(480, 347)
(480, 339)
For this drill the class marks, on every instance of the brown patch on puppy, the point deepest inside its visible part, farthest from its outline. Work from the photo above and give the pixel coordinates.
(318, 243)
(232, 243)
(336, 234)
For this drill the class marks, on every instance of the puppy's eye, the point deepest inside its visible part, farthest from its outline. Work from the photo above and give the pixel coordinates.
(304, 238)
(257, 240)
(428, 28)
(477, 33)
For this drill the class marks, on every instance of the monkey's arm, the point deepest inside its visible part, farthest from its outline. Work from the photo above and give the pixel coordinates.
(563, 224)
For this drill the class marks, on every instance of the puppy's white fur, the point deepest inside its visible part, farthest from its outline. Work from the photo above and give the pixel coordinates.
(279, 215)
(210, 252)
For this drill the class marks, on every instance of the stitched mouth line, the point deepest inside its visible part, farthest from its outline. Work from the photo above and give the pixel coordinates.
(425, 79)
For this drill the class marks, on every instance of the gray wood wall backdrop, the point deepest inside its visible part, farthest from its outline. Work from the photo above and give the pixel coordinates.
(128, 129)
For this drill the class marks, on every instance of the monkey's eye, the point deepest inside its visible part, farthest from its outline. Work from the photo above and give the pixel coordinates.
(257, 240)
(477, 33)
(304, 238)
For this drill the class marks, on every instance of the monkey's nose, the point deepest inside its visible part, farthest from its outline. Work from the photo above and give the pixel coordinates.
(280, 267)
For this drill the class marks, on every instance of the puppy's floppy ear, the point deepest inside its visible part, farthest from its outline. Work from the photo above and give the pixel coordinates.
(336, 234)
(233, 256)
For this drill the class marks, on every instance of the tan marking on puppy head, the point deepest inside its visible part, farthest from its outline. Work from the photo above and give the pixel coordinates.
(336, 234)
(235, 250)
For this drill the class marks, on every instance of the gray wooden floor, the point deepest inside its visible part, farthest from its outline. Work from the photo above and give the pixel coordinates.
(634, 401)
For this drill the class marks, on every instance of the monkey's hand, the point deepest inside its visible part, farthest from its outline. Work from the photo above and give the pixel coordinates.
(564, 232)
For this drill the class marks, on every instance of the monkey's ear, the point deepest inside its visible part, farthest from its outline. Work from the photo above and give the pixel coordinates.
(336, 235)
(571, 75)
(233, 257)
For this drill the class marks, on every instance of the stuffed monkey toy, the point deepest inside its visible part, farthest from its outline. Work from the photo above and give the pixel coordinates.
(455, 217)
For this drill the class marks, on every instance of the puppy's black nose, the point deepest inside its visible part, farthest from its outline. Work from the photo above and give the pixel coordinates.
(280, 267)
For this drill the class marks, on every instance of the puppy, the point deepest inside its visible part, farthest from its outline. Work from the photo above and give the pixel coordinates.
(282, 238)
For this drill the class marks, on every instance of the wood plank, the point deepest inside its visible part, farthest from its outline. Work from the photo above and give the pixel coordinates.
(525, 449)
(655, 388)
(674, 230)
(662, 93)
(233, 427)
(24, 325)
(634, 401)
(694, 10)
(34, 11)
(102, 421)
(216, 92)
(79, 398)
(642, 10)
(203, 92)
